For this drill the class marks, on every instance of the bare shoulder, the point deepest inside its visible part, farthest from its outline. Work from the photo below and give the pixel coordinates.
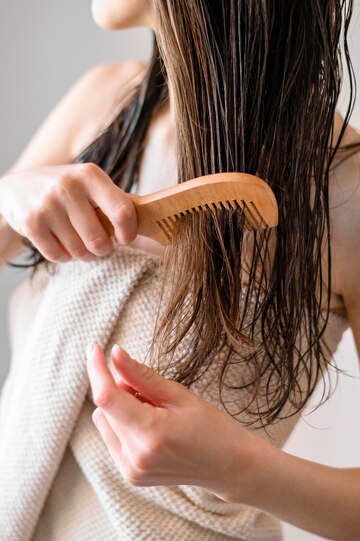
(103, 91)
(344, 198)
(80, 114)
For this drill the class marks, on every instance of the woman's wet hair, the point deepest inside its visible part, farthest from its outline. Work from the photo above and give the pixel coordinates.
(255, 87)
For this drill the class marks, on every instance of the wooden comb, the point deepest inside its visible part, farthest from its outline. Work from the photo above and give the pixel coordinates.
(158, 213)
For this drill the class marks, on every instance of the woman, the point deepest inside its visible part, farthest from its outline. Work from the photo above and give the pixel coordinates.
(234, 85)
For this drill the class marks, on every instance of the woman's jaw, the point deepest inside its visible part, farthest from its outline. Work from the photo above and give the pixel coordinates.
(122, 14)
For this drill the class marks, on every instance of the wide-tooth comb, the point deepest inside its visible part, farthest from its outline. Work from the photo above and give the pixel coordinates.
(158, 213)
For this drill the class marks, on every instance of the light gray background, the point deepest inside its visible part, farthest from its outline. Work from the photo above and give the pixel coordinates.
(44, 47)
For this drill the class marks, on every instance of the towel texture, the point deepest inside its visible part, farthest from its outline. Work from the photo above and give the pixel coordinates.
(57, 480)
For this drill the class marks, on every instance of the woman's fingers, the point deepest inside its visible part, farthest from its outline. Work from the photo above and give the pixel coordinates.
(111, 440)
(54, 208)
(88, 226)
(153, 386)
(114, 203)
(122, 385)
(124, 409)
(50, 246)
(121, 458)
(79, 229)
(62, 229)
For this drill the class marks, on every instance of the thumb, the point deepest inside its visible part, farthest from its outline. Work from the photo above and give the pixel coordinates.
(121, 212)
(145, 380)
(114, 207)
(124, 224)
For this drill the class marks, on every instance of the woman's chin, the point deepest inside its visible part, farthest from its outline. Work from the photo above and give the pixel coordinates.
(108, 18)
(102, 18)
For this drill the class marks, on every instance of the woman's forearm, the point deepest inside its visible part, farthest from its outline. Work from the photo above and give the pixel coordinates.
(316, 498)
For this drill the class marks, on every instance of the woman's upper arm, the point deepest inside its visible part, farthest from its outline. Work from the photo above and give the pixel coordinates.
(78, 116)
(70, 126)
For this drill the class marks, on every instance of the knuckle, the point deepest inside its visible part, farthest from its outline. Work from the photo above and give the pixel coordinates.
(50, 250)
(96, 243)
(42, 213)
(145, 372)
(62, 190)
(78, 251)
(88, 168)
(156, 447)
(31, 224)
(103, 398)
(132, 476)
(52, 192)
(49, 205)
(144, 459)
(123, 213)
(53, 199)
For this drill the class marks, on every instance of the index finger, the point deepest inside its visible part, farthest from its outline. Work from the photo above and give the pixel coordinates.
(123, 407)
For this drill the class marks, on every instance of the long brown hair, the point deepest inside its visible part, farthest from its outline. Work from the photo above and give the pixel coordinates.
(255, 86)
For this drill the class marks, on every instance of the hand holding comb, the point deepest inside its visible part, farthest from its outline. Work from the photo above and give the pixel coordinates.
(158, 213)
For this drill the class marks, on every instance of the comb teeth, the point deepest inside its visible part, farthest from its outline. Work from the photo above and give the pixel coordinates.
(257, 213)
(165, 228)
(252, 217)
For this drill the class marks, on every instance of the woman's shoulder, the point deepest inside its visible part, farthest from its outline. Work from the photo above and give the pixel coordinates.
(101, 93)
(344, 202)
(345, 167)
(351, 135)
(344, 185)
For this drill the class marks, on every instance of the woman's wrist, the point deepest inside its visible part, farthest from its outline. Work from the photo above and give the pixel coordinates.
(320, 499)
(240, 476)
(253, 458)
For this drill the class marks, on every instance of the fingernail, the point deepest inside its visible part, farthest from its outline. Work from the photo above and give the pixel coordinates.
(116, 349)
(106, 251)
(95, 415)
(89, 349)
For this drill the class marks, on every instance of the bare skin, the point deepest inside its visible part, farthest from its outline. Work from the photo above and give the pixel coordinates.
(274, 481)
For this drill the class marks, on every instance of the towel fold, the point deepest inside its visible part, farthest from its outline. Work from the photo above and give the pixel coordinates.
(46, 407)
(81, 303)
